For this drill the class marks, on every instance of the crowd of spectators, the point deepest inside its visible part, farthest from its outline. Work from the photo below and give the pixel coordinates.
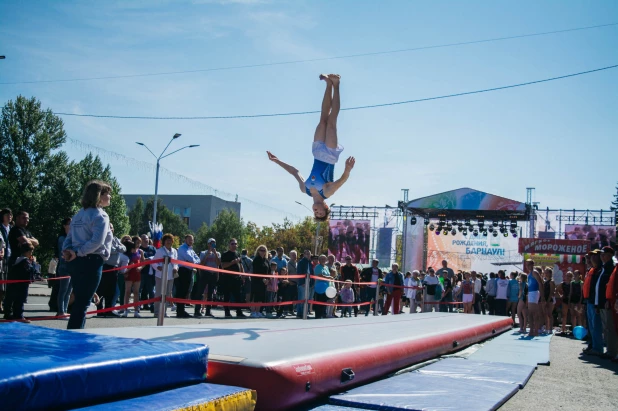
(531, 298)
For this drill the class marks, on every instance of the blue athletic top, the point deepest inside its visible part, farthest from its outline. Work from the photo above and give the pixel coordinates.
(321, 173)
(533, 284)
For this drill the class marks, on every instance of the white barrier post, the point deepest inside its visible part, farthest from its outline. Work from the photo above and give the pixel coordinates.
(306, 304)
(163, 303)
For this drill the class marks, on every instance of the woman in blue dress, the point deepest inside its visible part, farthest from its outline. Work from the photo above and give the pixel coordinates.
(326, 150)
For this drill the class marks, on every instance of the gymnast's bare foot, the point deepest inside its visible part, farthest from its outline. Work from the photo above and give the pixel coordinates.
(324, 77)
(335, 78)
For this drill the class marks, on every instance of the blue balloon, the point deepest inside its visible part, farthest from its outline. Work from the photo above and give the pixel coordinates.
(580, 332)
(321, 286)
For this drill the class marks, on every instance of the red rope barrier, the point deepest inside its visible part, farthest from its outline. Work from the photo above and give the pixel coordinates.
(239, 305)
(339, 304)
(104, 310)
(128, 267)
(218, 270)
(315, 277)
(32, 281)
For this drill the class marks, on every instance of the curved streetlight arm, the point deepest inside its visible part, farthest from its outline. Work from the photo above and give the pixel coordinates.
(175, 151)
(165, 149)
(144, 145)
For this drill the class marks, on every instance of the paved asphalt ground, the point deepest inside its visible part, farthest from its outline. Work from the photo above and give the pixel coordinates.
(571, 382)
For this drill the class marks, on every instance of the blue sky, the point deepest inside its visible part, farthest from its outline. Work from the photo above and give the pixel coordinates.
(553, 136)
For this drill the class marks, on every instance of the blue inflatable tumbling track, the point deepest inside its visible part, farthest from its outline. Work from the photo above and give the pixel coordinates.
(42, 368)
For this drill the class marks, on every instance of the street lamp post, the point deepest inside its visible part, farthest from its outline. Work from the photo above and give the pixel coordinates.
(161, 157)
(317, 228)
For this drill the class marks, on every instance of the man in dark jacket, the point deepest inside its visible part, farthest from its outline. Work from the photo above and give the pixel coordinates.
(370, 275)
(304, 267)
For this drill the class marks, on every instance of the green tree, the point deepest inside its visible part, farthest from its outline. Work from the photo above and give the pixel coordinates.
(171, 222)
(226, 226)
(91, 168)
(136, 218)
(201, 238)
(36, 176)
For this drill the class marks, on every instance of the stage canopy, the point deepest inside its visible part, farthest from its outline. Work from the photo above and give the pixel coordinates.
(467, 203)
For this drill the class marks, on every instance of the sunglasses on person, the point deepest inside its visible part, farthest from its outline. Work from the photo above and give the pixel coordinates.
(233, 243)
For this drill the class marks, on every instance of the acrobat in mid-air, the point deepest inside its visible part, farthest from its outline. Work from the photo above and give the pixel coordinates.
(326, 150)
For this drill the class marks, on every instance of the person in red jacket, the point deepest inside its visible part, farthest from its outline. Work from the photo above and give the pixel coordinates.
(611, 293)
(590, 309)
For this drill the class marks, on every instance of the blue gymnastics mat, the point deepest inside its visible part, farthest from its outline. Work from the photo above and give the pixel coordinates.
(203, 397)
(43, 368)
(515, 348)
(460, 368)
(417, 391)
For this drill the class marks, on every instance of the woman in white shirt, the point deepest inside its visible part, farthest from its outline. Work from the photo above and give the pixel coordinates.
(172, 269)
(412, 281)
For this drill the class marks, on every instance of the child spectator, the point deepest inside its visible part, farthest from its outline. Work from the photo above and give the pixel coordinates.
(347, 297)
(467, 289)
(272, 286)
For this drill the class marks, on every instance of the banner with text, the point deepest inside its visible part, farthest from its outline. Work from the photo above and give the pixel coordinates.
(483, 254)
(553, 246)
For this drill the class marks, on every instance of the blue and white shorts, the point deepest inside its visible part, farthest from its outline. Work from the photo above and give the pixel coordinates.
(326, 154)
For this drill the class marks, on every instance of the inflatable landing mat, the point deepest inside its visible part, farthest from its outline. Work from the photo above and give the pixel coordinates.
(294, 361)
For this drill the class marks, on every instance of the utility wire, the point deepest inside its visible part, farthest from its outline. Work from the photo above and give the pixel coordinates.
(298, 113)
(281, 63)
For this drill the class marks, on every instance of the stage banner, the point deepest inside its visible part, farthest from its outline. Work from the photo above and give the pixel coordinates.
(553, 246)
(384, 248)
(597, 235)
(415, 239)
(349, 238)
(467, 253)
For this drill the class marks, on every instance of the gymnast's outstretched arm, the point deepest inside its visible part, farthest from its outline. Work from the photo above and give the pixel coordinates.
(331, 188)
(290, 169)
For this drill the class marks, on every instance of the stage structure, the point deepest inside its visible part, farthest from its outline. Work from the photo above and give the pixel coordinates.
(471, 229)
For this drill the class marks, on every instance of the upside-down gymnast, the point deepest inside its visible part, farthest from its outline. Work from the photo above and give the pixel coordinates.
(326, 150)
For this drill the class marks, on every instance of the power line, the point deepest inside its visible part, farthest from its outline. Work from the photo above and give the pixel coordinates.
(281, 63)
(145, 166)
(298, 113)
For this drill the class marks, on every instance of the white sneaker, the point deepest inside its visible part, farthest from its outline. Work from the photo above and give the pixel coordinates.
(166, 315)
(137, 314)
(125, 314)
